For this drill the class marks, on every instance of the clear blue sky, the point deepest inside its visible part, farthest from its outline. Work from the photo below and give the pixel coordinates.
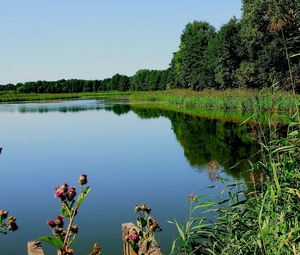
(94, 39)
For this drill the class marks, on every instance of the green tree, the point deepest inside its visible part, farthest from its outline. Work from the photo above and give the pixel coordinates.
(187, 61)
(268, 28)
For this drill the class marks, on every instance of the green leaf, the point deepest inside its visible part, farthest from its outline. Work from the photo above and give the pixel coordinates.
(204, 204)
(65, 211)
(55, 241)
(83, 194)
(180, 231)
(141, 222)
(283, 149)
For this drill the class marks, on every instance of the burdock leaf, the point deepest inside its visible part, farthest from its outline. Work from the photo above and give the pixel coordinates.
(83, 194)
(55, 241)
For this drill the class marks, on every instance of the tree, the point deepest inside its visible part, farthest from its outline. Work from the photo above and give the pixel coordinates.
(187, 61)
(268, 28)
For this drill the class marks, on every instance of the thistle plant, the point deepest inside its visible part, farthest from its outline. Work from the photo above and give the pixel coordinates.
(142, 238)
(7, 223)
(64, 235)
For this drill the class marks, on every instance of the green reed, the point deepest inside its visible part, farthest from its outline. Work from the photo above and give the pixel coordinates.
(260, 216)
(234, 99)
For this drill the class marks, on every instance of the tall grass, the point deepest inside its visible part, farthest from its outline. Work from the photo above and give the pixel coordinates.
(234, 99)
(25, 97)
(261, 217)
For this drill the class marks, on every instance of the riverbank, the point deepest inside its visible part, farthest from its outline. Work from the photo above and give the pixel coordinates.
(232, 99)
(9, 97)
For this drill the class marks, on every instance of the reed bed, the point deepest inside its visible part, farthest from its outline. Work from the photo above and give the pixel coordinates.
(236, 99)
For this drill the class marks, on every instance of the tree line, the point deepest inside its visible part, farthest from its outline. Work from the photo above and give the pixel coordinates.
(262, 49)
(142, 80)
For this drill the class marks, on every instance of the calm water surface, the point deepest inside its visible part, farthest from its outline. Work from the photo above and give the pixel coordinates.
(130, 154)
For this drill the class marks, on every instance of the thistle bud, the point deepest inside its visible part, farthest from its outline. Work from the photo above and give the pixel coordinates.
(59, 222)
(3, 214)
(71, 194)
(11, 223)
(74, 229)
(57, 231)
(143, 208)
(68, 251)
(82, 179)
(153, 225)
(51, 223)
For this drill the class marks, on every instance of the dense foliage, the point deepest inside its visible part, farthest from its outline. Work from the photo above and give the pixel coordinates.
(142, 80)
(259, 50)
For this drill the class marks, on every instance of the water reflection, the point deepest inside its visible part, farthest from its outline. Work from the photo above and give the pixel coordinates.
(66, 106)
(207, 143)
(133, 154)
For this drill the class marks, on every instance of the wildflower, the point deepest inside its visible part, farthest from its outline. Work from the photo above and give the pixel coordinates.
(82, 179)
(143, 208)
(60, 191)
(59, 222)
(133, 236)
(71, 194)
(51, 223)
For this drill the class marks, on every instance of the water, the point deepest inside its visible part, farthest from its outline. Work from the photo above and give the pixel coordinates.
(131, 155)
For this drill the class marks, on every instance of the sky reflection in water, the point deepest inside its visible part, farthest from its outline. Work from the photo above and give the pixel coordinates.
(130, 154)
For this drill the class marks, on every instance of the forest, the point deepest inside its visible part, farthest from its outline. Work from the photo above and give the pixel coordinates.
(259, 50)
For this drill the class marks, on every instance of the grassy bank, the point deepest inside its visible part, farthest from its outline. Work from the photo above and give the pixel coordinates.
(27, 97)
(232, 115)
(245, 102)
(234, 99)
(261, 218)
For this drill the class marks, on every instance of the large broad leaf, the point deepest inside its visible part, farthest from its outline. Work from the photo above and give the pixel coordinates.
(55, 241)
(83, 194)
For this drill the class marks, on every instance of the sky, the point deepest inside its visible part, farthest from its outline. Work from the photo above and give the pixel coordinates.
(95, 39)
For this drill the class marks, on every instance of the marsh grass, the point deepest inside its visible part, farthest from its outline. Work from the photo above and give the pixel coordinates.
(259, 219)
(228, 115)
(26, 97)
(234, 99)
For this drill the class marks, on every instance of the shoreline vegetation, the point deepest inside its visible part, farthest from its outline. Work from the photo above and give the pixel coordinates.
(231, 99)
(258, 52)
(235, 105)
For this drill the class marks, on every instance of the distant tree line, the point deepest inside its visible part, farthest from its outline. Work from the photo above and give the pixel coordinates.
(262, 49)
(142, 80)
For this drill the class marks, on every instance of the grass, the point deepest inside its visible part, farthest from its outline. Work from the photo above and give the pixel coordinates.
(232, 105)
(231, 99)
(227, 115)
(234, 99)
(25, 97)
(263, 220)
